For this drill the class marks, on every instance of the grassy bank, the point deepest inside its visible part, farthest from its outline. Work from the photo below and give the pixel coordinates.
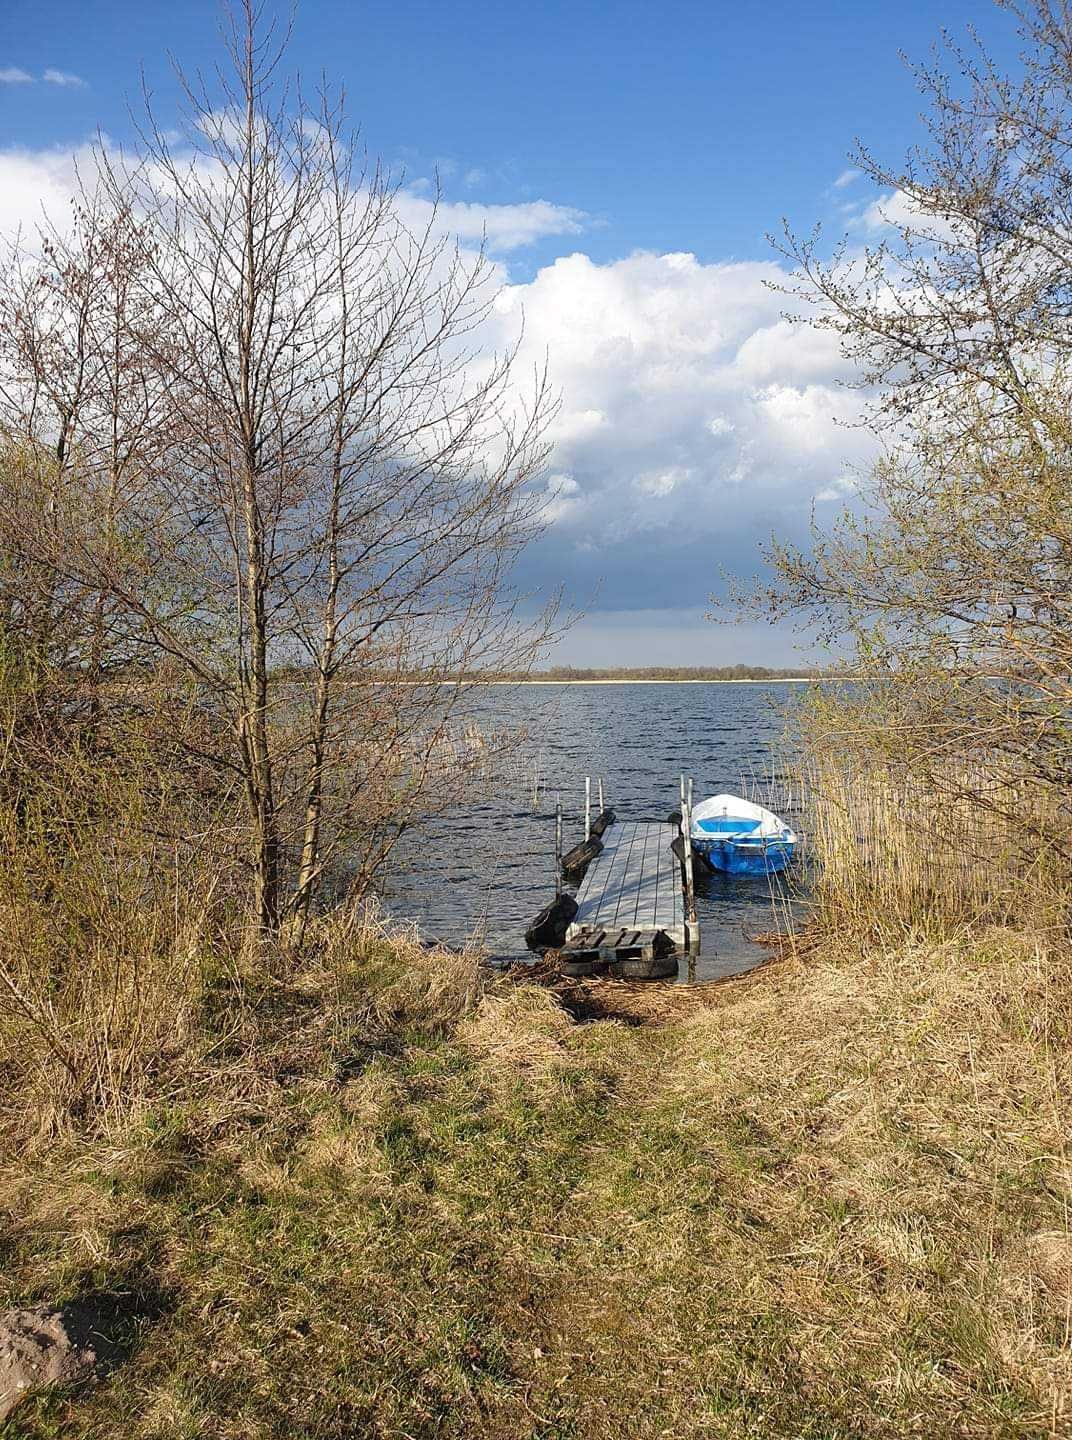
(394, 1198)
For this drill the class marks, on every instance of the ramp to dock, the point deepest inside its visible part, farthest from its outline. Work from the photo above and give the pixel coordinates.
(634, 885)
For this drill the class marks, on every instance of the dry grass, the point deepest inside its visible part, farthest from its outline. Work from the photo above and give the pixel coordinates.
(518, 1029)
(832, 1201)
(106, 957)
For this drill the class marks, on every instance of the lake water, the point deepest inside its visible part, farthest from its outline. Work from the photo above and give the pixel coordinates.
(489, 869)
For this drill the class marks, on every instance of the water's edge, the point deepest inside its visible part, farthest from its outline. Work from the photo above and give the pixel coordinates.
(487, 870)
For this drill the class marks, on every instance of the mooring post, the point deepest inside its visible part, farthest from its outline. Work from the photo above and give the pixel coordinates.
(681, 801)
(558, 846)
(601, 795)
(588, 807)
(690, 889)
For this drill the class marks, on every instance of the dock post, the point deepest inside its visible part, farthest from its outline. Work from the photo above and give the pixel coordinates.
(690, 888)
(601, 795)
(588, 807)
(558, 846)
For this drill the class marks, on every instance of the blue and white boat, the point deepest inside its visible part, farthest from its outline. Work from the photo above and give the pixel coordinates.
(740, 837)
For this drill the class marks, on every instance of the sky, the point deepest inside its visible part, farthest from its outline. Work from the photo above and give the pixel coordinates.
(626, 162)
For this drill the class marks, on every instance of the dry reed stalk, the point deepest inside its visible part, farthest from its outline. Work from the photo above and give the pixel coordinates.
(888, 856)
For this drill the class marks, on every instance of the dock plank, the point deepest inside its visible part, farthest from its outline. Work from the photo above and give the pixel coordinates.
(628, 878)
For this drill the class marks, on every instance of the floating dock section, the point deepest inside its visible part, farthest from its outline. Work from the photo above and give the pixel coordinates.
(632, 901)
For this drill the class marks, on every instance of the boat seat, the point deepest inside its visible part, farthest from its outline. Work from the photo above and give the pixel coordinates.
(727, 825)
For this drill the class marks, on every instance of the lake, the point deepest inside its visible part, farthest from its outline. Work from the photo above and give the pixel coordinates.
(487, 870)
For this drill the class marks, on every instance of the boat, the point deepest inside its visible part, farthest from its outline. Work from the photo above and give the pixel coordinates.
(740, 837)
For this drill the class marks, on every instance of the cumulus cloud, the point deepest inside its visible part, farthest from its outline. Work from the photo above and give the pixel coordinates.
(63, 78)
(563, 497)
(895, 210)
(39, 183)
(841, 489)
(12, 75)
(695, 420)
(573, 425)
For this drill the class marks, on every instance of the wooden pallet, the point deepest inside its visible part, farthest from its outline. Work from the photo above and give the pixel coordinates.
(616, 944)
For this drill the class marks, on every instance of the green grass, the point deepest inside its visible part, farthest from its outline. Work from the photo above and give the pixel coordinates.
(803, 1208)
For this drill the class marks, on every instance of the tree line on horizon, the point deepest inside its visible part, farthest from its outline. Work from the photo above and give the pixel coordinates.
(666, 672)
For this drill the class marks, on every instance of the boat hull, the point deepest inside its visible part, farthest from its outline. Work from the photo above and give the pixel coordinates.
(740, 837)
(750, 858)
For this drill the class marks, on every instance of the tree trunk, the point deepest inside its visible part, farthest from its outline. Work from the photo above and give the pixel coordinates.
(260, 787)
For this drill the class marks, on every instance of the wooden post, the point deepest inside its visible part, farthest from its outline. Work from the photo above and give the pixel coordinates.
(681, 801)
(558, 846)
(588, 807)
(601, 797)
(690, 888)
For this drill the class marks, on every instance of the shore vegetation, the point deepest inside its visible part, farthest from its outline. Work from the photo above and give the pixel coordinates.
(310, 1177)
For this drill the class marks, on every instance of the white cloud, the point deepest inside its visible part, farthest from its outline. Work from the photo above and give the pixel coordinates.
(695, 419)
(660, 483)
(63, 77)
(563, 498)
(506, 227)
(897, 211)
(36, 183)
(570, 425)
(846, 178)
(802, 414)
(15, 75)
(717, 418)
(844, 486)
(36, 180)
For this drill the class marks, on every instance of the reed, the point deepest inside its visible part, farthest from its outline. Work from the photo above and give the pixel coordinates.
(888, 857)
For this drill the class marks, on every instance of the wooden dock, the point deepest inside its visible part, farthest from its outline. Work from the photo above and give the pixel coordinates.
(632, 894)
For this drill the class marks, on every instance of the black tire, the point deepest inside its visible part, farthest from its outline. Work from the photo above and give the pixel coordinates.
(577, 968)
(658, 968)
(548, 930)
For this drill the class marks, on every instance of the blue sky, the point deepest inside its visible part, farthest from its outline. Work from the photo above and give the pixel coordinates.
(627, 160)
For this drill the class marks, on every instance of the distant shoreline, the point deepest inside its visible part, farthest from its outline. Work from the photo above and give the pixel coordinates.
(772, 680)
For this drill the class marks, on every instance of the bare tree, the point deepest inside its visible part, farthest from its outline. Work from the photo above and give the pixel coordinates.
(340, 478)
(951, 585)
(973, 290)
